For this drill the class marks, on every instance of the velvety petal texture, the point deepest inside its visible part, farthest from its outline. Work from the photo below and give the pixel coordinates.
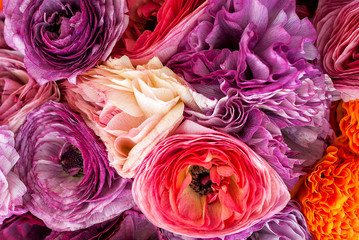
(338, 39)
(156, 27)
(11, 187)
(19, 93)
(131, 109)
(202, 183)
(132, 224)
(253, 63)
(25, 227)
(65, 168)
(61, 39)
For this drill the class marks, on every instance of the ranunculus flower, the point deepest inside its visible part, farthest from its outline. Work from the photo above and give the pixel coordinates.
(329, 195)
(61, 39)
(349, 126)
(25, 227)
(157, 26)
(338, 39)
(132, 224)
(11, 187)
(203, 183)
(65, 168)
(19, 93)
(131, 109)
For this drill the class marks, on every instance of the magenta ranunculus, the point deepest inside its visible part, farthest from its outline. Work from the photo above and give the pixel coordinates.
(3, 44)
(203, 183)
(11, 187)
(19, 93)
(63, 38)
(65, 168)
(25, 227)
(338, 40)
(132, 224)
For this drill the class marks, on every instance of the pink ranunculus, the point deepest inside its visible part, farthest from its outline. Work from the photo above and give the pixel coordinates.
(337, 25)
(202, 183)
(156, 27)
(19, 93)
(131, 109)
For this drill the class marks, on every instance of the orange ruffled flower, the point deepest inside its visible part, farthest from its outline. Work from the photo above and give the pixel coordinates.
(330, 196)
(349, 125)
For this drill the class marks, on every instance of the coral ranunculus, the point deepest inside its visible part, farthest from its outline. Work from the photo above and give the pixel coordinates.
(61, 39)
(330, 196)
(65, 169)
(131, 109)
(202, 183)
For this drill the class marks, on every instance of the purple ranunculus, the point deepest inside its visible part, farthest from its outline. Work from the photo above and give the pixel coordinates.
(132, 224)
(63, 38)
(25, 227)
(11, 187)
(65, 168)
(262, 56)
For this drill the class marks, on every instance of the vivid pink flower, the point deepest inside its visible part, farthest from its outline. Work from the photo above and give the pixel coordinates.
(202, 183)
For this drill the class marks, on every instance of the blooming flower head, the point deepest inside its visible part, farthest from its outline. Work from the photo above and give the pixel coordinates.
(156, 27)
(338, 39)
(202, 183)
(65, 168)
(61, 39)
(11, 187)
(131, 109)
(329, 195)
(19, 93)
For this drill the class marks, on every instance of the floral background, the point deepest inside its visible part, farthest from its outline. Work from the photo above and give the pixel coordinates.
(179, 119)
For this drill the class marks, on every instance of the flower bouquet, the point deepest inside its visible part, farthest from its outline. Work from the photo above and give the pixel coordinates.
(179, 119)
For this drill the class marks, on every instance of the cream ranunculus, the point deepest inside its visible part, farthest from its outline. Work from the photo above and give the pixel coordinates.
(131, 109)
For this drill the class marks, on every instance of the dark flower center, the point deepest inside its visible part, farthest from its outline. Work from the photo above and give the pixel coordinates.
(55, 19)
(151, 24)
(201, 182)
(72, 162)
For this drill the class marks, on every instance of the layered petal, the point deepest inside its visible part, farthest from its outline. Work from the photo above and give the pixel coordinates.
(202, 183)
(65, 168)
(61, 39)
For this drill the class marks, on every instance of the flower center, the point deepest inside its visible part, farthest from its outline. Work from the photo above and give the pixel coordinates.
(201, 181)
(72, 162)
